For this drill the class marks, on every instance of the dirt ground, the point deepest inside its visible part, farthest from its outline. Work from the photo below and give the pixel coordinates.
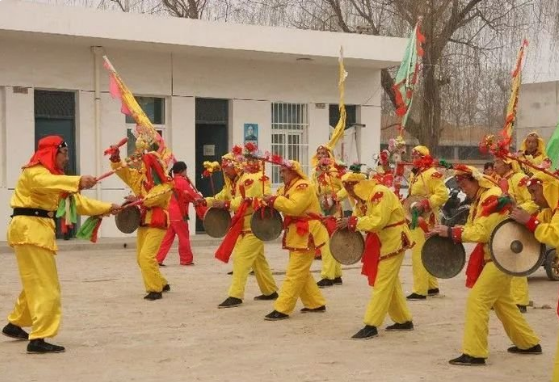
(112, 334)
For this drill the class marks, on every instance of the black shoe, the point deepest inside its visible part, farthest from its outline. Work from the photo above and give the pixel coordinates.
(537, 349)
(166, 288)
(152, 296)
(230, 273)
(366, 333)
(15, 332)
(162, 265)
(415, 296)
(230, 302)
(337, 281)
(269, 297)
(325, 283)
(466, 360)
(404, 326)
(433, 292)
(251, 273)
(320, 309)
(276, 316)
(39, 346)
(522, 308)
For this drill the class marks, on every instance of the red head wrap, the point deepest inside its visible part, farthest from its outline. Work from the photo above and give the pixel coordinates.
(46, 154)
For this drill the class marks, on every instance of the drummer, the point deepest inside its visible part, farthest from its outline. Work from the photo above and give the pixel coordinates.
(490, 286)
(149, 182)
(425, 181)
(544, 189)
(513, 182)
(302, 236)
(328, 185)
(379, 213)
(249, 250)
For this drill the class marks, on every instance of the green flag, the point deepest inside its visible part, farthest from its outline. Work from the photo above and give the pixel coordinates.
(553, 148)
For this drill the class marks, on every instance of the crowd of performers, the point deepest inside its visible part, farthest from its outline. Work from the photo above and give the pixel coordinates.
(305, 203)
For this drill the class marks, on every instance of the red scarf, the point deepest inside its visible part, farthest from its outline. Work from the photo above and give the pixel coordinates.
(46, 154)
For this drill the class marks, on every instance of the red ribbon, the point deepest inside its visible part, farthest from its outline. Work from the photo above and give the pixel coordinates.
(225, 250)
(371, 257)
(475, 266)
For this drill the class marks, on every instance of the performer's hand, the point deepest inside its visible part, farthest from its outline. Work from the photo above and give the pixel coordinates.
(87, 181)
(130, 198)
(342, 223)
(115, 209)
(520, 215)
(218, 204)
(199, 201)
(267, 198)
(439, 229)
(418, 208)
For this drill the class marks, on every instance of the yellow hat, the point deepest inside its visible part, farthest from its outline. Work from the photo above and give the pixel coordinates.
(353, 177)
(422, 150)
(484, 181)
(550, 186)
(314, 159)
(513, 163)
(541, 143)
(296, 167)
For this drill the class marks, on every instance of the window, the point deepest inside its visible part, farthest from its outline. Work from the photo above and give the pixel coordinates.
(155, 110)
(351, 115)
(289, 135)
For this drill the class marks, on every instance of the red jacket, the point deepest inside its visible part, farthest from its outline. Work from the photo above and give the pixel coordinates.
(183, 195)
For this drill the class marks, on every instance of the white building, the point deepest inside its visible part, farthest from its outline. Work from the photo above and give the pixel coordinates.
(201, 82)
(538, 109)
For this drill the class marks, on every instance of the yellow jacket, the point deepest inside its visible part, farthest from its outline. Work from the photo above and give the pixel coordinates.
(383, 214)
(155, 197)
(536, 161)
(38, 188)
(519, 191)
(253, 189)
(295, 201)
(429, 183)
(547, 232)
(227, 193)
(478, 228)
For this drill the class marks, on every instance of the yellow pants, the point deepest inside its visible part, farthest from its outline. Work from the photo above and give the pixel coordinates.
(556, 365)
(38, 305)
(299, 282)
(492, 289)
(519, 290)
(148, 242)
(422, 280)
(331, 269)
(249, 254)
(387, 295)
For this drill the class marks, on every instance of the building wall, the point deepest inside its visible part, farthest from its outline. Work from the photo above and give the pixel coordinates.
(251, 86)
(538, 109)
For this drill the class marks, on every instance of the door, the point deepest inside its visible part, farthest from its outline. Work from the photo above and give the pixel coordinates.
(211, 144)
(55, 115)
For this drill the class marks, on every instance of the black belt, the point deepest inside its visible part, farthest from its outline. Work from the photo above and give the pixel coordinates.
(19, 211)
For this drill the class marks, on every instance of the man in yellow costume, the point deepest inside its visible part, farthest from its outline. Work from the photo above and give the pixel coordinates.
(150, 183)
(31, 233)
(249, 250)
(379, 213)
(532, 149)
(544, 189)
(327, 182)
(302, 236)
(428, 183)
(231, 174)
(490, 286)
(513, 182)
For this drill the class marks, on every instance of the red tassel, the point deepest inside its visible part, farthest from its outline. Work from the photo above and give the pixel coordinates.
(475, 266)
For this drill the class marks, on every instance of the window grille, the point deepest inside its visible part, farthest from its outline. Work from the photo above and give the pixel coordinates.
(289, 135)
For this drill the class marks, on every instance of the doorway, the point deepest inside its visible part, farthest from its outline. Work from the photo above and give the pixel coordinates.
(211, 143)
(55, 114)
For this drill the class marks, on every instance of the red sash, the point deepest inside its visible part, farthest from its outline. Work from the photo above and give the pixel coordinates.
(225, 250)
(475, 266)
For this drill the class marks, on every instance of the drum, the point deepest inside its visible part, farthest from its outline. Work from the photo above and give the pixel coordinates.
(514, 249)
(128, 219)
(216, 222)
(266, 223)
(347, 246)
(442, 257)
